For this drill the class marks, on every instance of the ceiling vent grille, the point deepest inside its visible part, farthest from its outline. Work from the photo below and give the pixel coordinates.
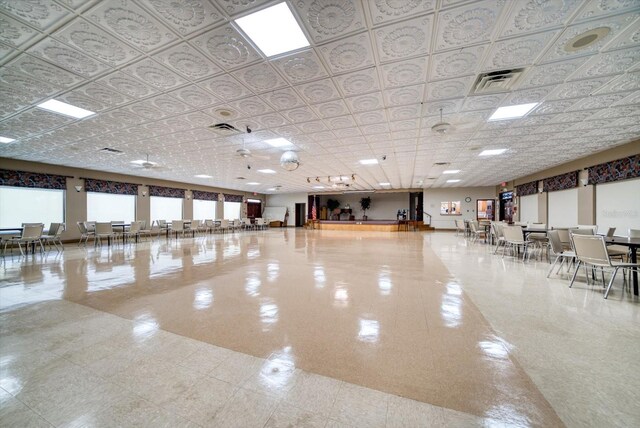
(111, 151)
(224, 127)
(496, 81)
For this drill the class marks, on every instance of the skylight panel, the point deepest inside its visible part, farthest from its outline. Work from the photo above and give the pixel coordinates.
(278, 142)
(512, 112)
(273, 30)
(492, 152)
(65, 109)
(369, 162)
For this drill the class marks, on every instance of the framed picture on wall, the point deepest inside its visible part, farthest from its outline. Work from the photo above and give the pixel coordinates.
(450, 208)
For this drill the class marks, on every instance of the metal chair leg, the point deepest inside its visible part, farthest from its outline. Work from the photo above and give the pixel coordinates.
(553, 265)
(613, 276)
(575, 273)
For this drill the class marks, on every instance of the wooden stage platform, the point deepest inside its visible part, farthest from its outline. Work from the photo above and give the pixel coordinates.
(368, 225)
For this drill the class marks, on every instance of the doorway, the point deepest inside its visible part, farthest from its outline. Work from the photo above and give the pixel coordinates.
(506, 207)
(254, 210)
(301, 214)
(415, 206)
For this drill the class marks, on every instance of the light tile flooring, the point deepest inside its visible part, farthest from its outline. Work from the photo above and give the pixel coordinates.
(310, 328)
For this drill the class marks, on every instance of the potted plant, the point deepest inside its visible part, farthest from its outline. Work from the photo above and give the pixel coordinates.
(333, 205)
(365, 204)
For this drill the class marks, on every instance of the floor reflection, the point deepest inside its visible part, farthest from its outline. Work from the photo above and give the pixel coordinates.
(318, 302)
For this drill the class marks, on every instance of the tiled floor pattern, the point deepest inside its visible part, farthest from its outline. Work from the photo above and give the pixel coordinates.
(315, 300)
(63, 364)
(70, 365)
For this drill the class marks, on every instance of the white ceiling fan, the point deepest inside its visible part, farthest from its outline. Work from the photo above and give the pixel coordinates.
(457, 123)
(146, 164)
(441, 127)
(246, 153)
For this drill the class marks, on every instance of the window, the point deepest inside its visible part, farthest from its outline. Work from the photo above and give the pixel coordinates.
(111, 207)
(450, 208)
(166, 208)
(232, 210)
(203, 210)
(27, 205)
(485, 209)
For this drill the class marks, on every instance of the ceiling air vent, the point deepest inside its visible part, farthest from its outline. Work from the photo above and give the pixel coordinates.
(224, 127)
(496, 81)
(111, 151)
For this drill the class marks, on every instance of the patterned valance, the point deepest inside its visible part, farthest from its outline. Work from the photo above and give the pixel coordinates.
(621, 169)
(166, 192)
(561, 182)
(527, 188)
(103, 186)
(232, 198)
(205, 196)
(32, 179)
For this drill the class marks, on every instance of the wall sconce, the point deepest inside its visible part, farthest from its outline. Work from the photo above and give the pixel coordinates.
(144, 193)
(584, 181)
(78, 188)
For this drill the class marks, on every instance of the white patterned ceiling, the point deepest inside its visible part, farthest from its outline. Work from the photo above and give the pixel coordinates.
(160, 72)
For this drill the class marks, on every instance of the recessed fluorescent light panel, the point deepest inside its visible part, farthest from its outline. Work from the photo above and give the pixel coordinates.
(318, 187)
(512, 112)
(253, 183)
(66, 109)
(452, 181)
(203, 176)
(385, 184)
(6, 140)
(451, 171)
(274, 30)
(267, 171)
(369, 162)
(278, 142)
(493, 152)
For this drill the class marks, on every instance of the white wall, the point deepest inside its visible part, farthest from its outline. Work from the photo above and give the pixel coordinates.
(618, 205)
(529, 208)
(384, 206)
(433, 197)
(288, 200)
(563, 208)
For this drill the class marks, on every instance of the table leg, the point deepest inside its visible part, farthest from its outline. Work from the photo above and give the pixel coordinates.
(634, 259)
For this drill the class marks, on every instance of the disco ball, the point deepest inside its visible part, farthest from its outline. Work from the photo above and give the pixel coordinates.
(289, 161)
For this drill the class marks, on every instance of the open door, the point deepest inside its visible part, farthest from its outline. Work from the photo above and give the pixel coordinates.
(506, 206)
(254, 209)
(301, 214)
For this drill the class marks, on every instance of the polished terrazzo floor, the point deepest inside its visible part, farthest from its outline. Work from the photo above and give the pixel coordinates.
(310, 327)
